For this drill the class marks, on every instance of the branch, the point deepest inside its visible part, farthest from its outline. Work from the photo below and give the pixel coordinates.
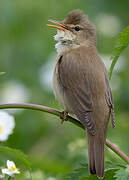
(116, 150)
(109, 144)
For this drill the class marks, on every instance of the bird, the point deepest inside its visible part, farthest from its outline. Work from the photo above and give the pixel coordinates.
(81, 83)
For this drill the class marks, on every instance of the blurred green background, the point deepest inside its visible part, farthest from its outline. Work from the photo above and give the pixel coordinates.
(27, 55)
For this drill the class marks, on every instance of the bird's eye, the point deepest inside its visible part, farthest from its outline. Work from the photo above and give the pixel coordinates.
(77, 28)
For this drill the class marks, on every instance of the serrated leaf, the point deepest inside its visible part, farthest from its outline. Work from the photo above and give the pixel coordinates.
(16, 155)
(83, 174)
(122, 42)
(110, 164)
(109, 175)
(122, 174)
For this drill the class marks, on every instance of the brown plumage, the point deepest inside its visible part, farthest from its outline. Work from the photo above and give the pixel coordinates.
(75, 17)
(81, 84)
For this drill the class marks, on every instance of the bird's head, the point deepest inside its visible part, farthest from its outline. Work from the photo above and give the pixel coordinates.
(75, 29)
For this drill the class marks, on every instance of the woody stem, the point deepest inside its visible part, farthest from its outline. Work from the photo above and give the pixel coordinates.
(53, 111)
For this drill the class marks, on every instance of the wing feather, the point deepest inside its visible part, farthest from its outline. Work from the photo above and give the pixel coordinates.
(110, 103)
(73, 78)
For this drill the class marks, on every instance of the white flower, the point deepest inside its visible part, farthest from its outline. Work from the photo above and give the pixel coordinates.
(14, 91)
(7, 124)
(11, 169)
(46, 72)
(108, 25)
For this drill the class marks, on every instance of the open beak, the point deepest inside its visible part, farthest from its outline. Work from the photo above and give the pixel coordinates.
(59, 25)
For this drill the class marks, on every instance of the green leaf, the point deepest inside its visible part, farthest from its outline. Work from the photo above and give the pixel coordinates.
(90, 177)
(122, 42)
(122, 174)
(108, 175)
(15, 155)
(110, 165)
(82, 174)
(77, 173)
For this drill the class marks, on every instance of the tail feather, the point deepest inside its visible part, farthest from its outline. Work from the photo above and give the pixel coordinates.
(91, 156)
(96, 155)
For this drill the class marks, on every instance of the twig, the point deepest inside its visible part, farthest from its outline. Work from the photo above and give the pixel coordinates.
(115, 149)
(109, 144)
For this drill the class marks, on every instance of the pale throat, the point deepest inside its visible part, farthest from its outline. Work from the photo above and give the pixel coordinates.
(66, 40)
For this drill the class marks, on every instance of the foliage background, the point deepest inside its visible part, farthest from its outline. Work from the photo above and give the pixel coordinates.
(27, 55)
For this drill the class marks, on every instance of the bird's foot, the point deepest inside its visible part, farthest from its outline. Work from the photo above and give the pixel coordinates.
(65, 113)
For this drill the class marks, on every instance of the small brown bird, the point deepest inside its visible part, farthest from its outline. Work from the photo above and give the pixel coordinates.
(81, 84)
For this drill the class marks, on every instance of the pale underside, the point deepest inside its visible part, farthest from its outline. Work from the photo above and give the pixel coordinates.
(66, 40)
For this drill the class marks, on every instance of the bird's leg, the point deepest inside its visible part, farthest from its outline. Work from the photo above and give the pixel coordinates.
(65, 113)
